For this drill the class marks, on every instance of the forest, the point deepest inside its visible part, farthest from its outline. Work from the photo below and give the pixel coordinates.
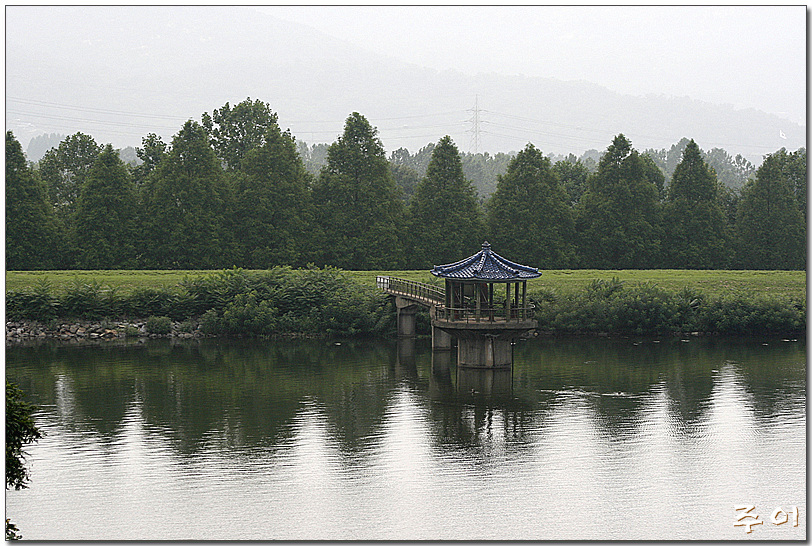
(235, 190)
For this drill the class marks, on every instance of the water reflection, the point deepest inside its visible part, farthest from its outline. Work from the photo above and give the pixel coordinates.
(323, 432)
(252, 392)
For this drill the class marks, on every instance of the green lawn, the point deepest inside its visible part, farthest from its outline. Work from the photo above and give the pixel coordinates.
(123, 279)
(712, 283)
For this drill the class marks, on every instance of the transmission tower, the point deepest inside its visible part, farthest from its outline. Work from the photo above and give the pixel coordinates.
(474, 130)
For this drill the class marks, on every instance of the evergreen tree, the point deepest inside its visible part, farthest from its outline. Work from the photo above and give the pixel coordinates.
(152, 151)
(359, 210)
(30, 226)
(405, 178)
(696, 233)
(236, 131)
(528, 216)
(273, 204)
(731, 172)
(654, 175)
(105, 221)
(445, 218)
(618, 216)
(794, 168)
(63, 169)
(572, 174)
(770, 227)
(185, 202)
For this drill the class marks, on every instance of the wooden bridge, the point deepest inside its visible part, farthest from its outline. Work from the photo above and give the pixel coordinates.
(418, 292)
(478, 307)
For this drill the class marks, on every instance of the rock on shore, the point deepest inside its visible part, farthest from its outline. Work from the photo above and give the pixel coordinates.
(91, 330)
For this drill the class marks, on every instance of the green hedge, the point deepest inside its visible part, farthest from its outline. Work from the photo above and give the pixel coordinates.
(231, 302)
(613, 307)
(328, 302)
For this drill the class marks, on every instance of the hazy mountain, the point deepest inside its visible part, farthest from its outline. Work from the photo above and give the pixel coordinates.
(119, 73)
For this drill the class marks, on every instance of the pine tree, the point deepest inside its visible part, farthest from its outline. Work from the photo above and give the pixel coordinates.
(273, 204)
(696, 234)
(106, 215)
(770, 226)
(528, 216)
(446, 222)
(185, 206)
(618, 216)
(359, 210)
(30, 227)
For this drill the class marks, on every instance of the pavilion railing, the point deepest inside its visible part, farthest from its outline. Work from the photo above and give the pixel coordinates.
(435, 297)
(484, 314)
(412, 289)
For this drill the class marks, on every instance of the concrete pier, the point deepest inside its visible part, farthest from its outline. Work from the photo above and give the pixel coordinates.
(440, 340)
(407, 319)
(485, 345)
(484, 352)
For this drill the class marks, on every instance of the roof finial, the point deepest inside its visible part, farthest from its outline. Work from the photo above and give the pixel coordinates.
(486, 245)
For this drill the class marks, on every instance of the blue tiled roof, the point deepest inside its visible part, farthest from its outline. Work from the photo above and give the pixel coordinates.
(486, 265)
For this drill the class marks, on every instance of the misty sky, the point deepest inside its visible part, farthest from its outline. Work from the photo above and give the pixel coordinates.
(119, 73)
(747, 56)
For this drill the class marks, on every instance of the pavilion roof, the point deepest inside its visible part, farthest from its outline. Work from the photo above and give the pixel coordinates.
(486, 265)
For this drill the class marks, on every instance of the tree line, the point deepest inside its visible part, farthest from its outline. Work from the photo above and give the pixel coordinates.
(236, 190)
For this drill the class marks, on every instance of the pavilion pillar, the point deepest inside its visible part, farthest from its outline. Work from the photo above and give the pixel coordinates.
(507, 304)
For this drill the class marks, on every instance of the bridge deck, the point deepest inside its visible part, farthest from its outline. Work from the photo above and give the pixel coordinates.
(419, 292)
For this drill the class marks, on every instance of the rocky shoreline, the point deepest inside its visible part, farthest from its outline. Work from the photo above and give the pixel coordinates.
(104, 330)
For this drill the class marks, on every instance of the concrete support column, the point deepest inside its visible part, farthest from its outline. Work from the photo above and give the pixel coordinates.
(440, 340)
(484, 352)
(407, 318)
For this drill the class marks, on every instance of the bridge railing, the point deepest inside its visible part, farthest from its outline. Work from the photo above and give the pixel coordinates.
(484, 314)
(413, 289)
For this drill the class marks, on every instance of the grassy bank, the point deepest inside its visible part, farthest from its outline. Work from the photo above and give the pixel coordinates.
(333, 302)
(791, 284)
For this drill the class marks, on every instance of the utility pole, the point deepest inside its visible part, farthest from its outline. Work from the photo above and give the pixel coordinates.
(474, 130)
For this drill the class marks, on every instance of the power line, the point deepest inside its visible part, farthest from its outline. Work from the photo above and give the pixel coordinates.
(88, 120)
(32, 102)
(475, 130)
(582, 134)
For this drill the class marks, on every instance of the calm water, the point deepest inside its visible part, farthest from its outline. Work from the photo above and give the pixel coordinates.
(585, 439)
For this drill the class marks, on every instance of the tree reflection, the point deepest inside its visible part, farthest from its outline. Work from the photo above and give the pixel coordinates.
(244, 395)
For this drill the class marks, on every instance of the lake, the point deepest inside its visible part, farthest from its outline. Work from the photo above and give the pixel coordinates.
(589, 438)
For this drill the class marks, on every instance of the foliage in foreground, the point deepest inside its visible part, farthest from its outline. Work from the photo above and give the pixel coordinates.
(20, 430)
(330, 301)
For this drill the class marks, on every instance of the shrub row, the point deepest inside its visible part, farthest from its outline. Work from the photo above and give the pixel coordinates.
(327, 302)
(231, 302)
(645, 308)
